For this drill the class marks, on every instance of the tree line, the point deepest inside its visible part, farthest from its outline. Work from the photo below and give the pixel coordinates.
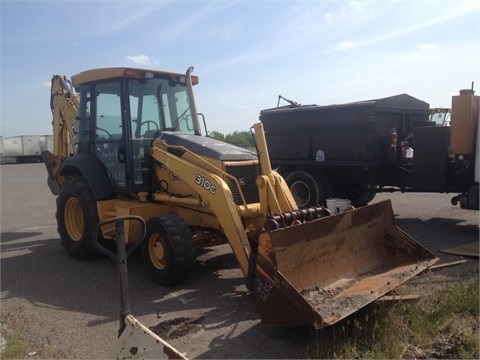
(239, 138)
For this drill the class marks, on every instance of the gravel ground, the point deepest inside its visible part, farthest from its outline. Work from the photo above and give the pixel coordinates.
(67, 308)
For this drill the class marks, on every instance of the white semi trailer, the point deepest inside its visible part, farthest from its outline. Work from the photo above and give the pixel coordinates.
(25, 148)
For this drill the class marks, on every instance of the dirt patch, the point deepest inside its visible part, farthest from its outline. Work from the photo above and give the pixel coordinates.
(178, 327)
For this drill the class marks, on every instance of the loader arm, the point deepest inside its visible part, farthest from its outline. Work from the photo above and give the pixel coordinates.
(278, 197)
(216, 197)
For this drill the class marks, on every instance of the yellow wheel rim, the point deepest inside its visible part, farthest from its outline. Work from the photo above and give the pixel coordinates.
(157, 251)
(74, 221)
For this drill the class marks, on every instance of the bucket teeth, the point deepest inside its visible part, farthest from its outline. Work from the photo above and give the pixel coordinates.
(295, 217)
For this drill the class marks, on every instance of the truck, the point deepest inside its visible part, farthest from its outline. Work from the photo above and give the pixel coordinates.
(25, 148)
(128, 142)
(356, 150)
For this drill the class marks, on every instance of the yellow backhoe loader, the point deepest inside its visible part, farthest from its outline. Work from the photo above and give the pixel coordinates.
(128, 142)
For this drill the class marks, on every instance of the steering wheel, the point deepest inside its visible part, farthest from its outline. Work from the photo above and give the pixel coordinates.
(105, 131)
(148, 122)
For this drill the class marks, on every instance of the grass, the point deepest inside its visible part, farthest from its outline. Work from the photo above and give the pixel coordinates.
(13, 347)
(18, 344)
(444, 324)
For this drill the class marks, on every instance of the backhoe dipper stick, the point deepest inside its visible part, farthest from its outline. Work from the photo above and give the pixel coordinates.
(121, 258)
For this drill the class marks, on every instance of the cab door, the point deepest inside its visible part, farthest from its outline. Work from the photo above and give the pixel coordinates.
(109, 134)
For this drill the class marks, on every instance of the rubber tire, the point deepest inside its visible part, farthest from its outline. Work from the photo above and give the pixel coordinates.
(76, 217)
(361, 196)
(328, 190)
(368, 196)
(306, 189)
(177, 250)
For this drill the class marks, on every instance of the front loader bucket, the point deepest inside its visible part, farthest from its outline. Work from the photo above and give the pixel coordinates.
(320, 272)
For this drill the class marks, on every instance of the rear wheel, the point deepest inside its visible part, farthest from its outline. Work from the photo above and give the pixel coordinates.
(76, 217)
(306, 188)
(327, 187)
(361, 195)
(168, 249)
(368, 196)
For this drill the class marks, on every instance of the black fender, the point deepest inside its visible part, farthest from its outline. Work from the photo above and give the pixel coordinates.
(94, 172)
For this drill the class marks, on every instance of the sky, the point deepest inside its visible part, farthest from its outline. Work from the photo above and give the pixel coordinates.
(246, 53)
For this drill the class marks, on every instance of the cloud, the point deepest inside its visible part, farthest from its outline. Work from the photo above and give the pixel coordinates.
(438, 15)
(428, 46)
(387, 32)
(345, 45)
(142, 59)
(187, 23)
(358, 6)
(104, 21)
(328, 17)
(301, 32)
(108, 18)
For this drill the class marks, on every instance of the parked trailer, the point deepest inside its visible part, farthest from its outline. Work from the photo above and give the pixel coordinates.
(25, 148)
(358, 149)
(46, 142)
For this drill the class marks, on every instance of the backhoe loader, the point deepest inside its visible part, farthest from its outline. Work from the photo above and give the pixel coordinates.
(128, 142)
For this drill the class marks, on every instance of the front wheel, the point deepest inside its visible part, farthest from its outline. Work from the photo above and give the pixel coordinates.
(168, 249)
(76, 217)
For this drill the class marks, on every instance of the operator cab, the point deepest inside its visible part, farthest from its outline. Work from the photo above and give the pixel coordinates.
(440, 116)
(122, 111)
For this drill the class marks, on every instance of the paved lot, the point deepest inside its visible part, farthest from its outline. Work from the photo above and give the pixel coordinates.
(72, 306)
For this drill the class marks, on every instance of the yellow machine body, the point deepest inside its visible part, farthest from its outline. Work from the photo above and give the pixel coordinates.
(305, 266)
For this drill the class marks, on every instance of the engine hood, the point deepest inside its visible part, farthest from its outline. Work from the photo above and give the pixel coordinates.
(206, 146)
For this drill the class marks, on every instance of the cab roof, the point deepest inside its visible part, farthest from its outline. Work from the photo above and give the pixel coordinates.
(94, 75)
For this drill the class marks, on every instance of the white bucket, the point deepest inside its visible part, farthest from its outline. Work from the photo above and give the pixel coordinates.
(342, 204)
(332, 205)
(337, 206)
(409, 153)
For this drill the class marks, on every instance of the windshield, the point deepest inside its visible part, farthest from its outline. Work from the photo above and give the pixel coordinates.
(440, 116)
(158, 104)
